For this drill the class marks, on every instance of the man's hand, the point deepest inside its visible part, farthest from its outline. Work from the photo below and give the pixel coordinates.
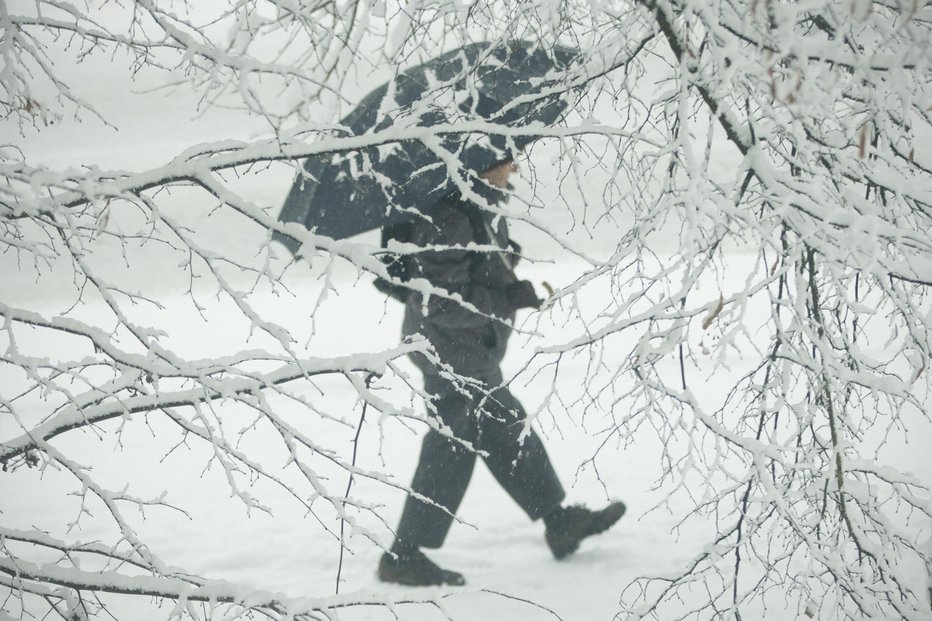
(521, 294)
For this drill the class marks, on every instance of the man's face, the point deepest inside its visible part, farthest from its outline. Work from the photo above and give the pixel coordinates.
(497, 176)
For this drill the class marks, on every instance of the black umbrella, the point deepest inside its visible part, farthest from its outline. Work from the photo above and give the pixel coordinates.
(340, 195)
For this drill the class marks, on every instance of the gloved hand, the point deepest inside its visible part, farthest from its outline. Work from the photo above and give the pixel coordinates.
(521, 295)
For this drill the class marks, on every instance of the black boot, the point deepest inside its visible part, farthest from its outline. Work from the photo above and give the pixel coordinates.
(409, 566)
(567, 526)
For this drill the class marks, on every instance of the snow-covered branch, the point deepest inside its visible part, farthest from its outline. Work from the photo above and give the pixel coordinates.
(742, 191)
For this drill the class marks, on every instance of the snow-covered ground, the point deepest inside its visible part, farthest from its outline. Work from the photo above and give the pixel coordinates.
(500, 551)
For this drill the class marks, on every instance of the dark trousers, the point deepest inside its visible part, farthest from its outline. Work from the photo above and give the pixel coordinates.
(494, 424)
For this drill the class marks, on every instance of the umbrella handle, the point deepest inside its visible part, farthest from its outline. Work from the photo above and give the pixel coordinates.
(548, 301)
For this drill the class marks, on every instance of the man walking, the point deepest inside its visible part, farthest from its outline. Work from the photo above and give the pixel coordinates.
(484, 415)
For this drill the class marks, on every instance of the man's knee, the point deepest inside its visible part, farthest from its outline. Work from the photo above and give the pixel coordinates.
(501, 424)
(451, 412)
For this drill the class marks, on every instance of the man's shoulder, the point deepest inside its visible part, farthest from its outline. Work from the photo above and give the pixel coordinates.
(452, 213)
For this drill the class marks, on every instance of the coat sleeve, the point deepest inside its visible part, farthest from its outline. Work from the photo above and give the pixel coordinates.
(446, 264)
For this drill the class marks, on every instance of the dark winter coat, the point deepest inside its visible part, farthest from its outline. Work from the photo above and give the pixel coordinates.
(472, 343)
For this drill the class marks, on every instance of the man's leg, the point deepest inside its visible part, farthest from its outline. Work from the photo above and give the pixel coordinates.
(518, 460)
(443, 472)
(516, 456)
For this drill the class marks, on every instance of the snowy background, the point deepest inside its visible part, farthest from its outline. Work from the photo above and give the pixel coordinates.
(288, 551)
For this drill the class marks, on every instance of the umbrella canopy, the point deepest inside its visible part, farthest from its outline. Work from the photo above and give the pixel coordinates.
(342, 194)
